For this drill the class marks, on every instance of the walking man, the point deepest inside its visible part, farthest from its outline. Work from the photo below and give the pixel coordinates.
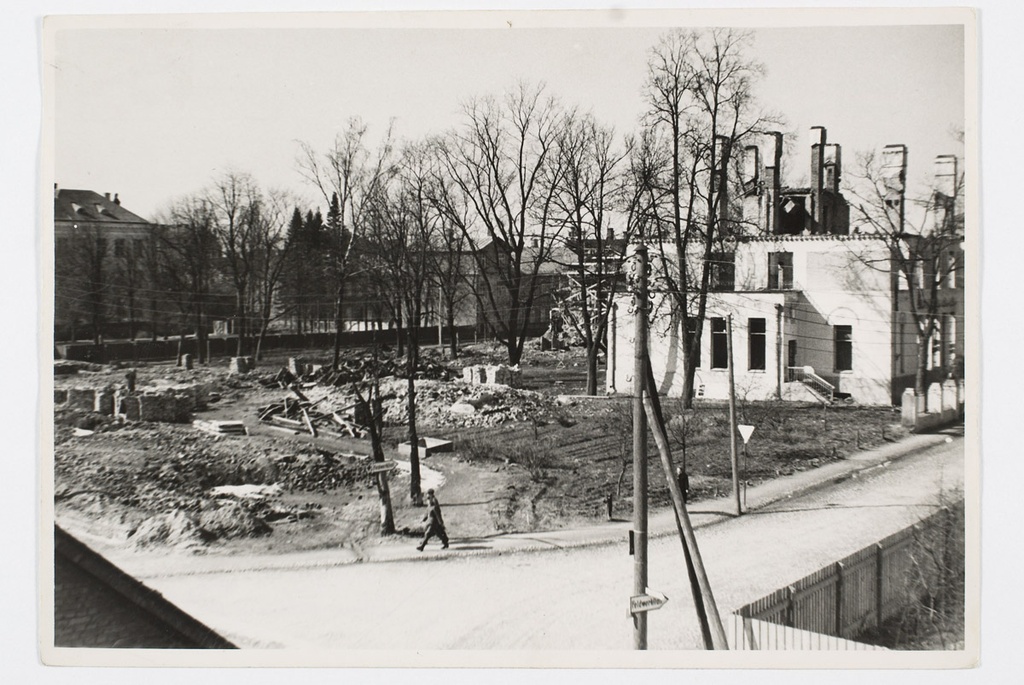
(435, 523)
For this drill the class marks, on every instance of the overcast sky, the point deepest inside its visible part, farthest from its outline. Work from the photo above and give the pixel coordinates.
(156, 113)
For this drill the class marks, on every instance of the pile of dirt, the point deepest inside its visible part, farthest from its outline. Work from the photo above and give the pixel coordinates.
(174, 529)
(228, 518)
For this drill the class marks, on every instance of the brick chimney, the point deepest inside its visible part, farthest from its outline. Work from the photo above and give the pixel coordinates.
(833, 166)
(818, 140)
(894, 174)
(945, 191)
(772, 179)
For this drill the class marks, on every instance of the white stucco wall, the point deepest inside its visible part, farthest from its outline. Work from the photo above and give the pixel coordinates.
(836, 282)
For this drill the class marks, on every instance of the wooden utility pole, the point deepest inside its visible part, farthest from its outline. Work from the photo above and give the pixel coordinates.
(703, 598)
(734, 453)
(639, 266)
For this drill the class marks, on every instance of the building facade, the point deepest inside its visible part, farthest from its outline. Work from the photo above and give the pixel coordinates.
(816, 311)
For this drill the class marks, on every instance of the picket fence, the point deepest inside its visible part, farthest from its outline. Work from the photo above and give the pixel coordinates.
(860, 592)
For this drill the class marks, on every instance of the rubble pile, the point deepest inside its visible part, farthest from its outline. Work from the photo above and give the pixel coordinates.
(457, 403)
(156, 469)
(353, 370)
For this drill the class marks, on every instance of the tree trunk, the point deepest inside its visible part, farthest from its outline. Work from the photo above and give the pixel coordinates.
(240, 308)
(387, 516)
(412, 361)
(592, 352)
(921, 373)
(338, 302)
(453, 346)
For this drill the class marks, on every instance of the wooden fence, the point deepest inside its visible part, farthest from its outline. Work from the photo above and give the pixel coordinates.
(865, 589)
(144, 350)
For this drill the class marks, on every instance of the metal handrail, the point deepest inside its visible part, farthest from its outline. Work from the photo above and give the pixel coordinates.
(806, 375)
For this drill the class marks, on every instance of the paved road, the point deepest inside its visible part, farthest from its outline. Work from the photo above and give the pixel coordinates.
(569, 598)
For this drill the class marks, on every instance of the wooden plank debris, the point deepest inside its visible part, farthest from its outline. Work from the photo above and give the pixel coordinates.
(221, 427)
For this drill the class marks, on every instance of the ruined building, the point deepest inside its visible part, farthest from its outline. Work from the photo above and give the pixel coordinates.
(769, 208)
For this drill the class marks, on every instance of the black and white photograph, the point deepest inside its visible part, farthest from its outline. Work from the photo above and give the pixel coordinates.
(587, 339)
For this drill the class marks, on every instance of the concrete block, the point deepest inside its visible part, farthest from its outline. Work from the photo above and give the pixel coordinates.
(463, 408)
(949, 395)
(934, 403)
(126, 405)
(908, 409)
(83, 399)
(167, 408)
(239, 365)
(296, 366)
(104, 402)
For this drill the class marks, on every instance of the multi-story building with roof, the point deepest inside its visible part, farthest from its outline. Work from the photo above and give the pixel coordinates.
(818, 311)
(102, 255)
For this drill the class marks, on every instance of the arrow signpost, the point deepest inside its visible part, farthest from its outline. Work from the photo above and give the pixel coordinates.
(745, 432)
(383, 466)
(650, 601)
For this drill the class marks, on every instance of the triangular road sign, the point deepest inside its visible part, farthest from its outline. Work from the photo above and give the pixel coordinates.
(745, 432)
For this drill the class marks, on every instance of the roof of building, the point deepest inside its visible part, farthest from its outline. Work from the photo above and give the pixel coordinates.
(87, 205)
(73, 551)
(818, 237)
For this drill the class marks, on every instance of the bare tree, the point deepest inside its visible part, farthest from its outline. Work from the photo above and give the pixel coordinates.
(503, 163)
(587, 191)
(188, 253)
(370, 402)
(450, 259)
(399, 223)
(348, 172)
(700, 98)
(235, 199)
(271, 251)
(925, 246)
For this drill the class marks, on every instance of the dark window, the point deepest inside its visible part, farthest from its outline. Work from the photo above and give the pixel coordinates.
(719, 344)
(119, 247)
(723, 271)
(691, 333)
(780, 271)
(843, 347)
(757, 343)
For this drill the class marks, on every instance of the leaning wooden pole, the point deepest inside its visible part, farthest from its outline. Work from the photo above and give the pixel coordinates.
(658, 420)
(689, 539)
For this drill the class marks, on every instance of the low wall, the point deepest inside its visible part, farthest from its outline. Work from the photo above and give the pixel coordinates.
(227, 345)
(170, 405)
(941, 405)
(492, 374)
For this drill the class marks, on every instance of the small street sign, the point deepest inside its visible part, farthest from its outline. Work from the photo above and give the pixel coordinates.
(745, 432)
(649, 602)
(383, 466)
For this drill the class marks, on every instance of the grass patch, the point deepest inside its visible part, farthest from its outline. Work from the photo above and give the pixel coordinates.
(587, 457)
